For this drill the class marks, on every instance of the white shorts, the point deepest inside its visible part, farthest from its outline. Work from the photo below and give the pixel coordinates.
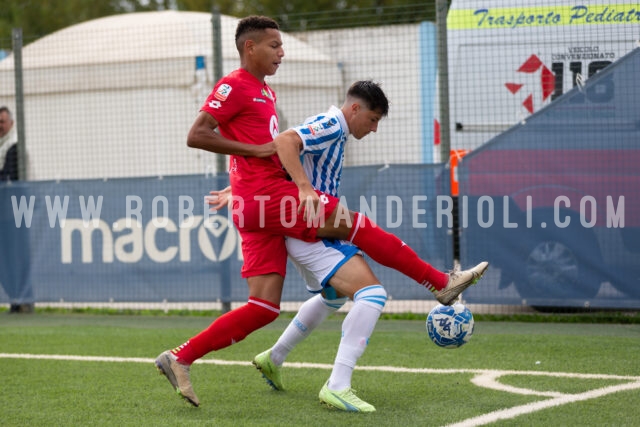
(318, 261)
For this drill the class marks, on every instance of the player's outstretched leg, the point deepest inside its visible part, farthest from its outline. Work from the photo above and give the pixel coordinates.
(178, 376)
(459, 281)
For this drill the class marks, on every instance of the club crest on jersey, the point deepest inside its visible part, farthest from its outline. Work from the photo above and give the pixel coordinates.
(223, 92)
(266, 93)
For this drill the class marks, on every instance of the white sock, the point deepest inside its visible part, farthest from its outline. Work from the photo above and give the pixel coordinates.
(356, 329)
(309, 316)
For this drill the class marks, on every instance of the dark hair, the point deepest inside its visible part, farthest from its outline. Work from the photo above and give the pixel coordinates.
(5, 109)
(372, 95)
(251, 24)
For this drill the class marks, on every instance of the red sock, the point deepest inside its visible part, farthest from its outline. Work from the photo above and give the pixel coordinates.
(228, 329)
(386, 249)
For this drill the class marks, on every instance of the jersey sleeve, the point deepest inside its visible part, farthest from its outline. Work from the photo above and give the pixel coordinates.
(224, 102)
(319, 134)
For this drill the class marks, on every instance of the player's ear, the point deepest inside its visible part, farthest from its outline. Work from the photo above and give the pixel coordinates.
(249, 45)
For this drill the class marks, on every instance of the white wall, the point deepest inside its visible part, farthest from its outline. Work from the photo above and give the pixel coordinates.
(389, 55)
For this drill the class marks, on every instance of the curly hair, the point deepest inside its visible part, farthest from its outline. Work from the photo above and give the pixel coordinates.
(249, 26)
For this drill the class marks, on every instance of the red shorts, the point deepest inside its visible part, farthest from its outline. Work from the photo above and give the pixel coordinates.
(264, 219)
(263, 253)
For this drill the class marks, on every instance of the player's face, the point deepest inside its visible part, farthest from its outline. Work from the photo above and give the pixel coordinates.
(267, 52)
(364, 122)
(5, 123)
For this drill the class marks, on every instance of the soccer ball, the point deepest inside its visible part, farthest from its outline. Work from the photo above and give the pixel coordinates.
(450, 326)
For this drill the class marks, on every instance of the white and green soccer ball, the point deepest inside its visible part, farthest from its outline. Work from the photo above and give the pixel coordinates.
(450, 326)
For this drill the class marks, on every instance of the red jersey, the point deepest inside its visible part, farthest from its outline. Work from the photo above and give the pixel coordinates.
(245, 110)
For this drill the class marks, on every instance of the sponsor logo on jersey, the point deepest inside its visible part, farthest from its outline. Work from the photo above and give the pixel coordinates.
(223, 92)
(259, 100)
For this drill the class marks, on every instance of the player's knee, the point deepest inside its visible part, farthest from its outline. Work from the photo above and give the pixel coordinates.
(331, 298)
(375, 296)
(334, 302)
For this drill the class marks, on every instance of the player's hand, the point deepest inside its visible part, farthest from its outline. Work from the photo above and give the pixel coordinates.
(309, 201)
(218, 199)
(265, 150)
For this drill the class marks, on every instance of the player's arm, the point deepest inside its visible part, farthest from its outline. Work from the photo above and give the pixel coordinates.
(288, 146)
(202, 135)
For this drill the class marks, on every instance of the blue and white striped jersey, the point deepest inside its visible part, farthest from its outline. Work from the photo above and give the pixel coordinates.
(324, 138)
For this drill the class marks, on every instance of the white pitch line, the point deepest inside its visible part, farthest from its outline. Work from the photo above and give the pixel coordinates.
(509, 413)
(484, 378)
(490, 380)
(304, 365)
(107, 359)
(74, 358)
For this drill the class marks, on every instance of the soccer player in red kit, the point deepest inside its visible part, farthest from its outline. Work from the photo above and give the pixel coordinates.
(242, 107)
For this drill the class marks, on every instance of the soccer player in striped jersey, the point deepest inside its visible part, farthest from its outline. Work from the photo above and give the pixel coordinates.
(332, 269)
